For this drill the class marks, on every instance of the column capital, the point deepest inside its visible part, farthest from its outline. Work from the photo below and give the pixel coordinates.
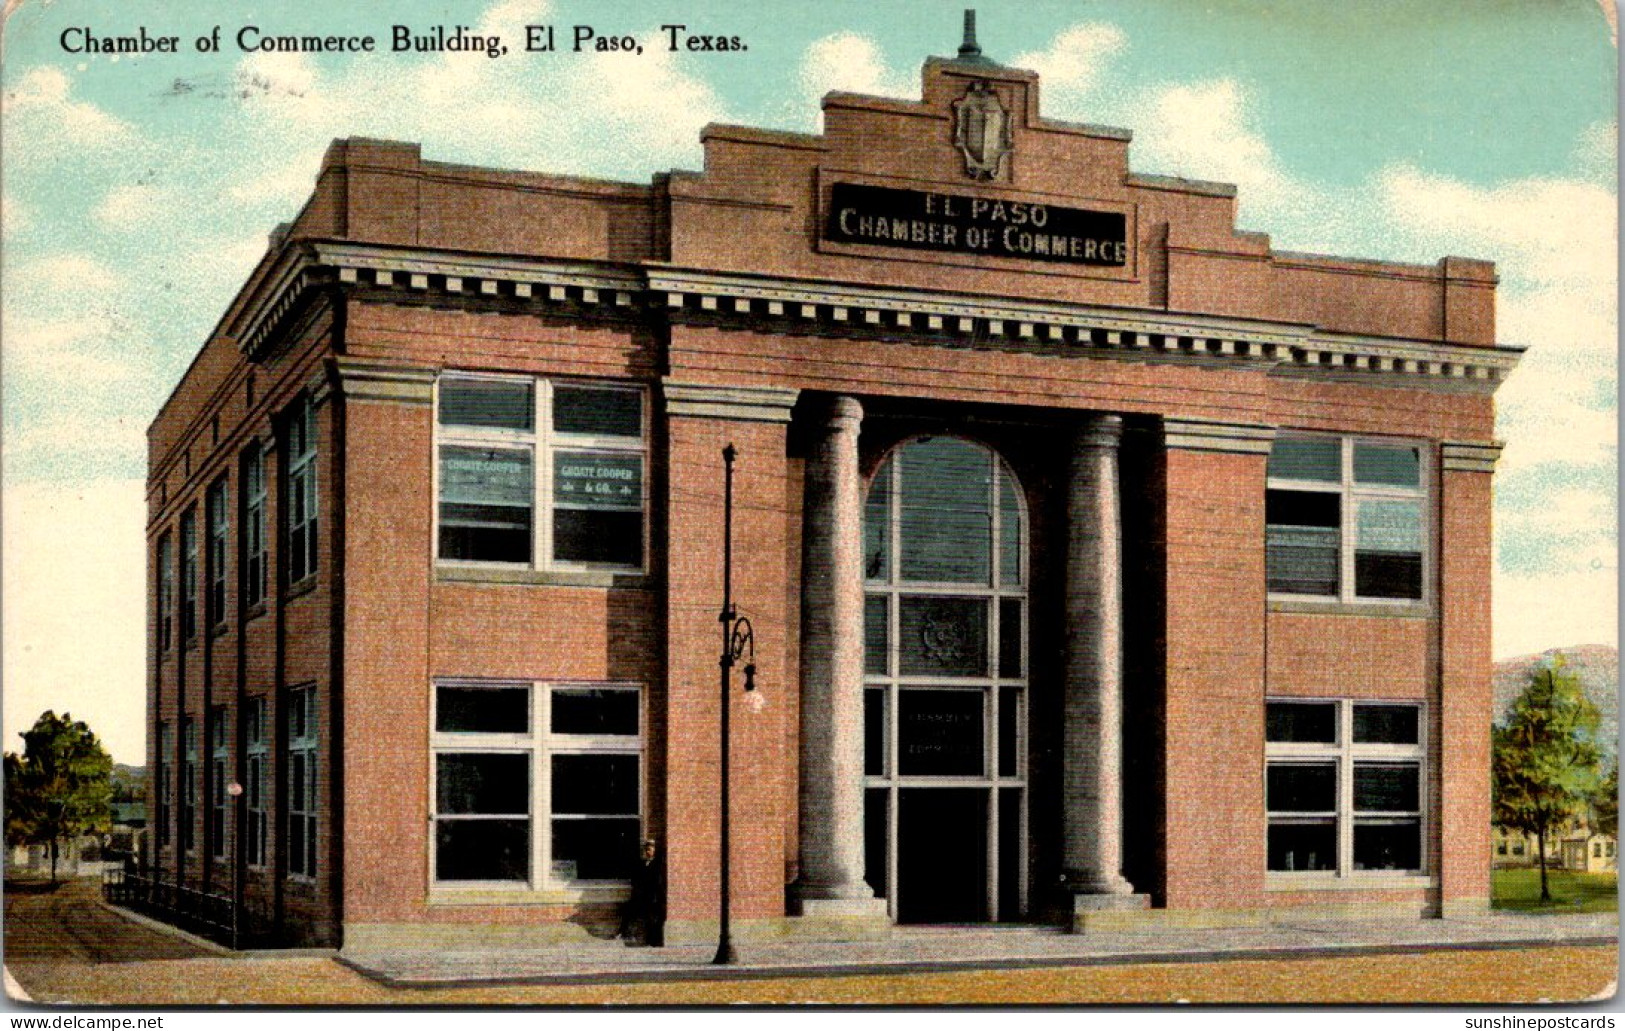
(1101, 430)
(1181, 434)
(1469, 457)
(843, 409)
(743, 403)
(376, 381)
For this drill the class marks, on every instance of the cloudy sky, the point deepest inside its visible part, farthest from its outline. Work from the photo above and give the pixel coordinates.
(138, 191)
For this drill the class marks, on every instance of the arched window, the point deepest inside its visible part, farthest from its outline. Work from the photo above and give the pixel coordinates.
(945, 569)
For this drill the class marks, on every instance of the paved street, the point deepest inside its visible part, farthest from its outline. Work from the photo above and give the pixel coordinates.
(62, 946)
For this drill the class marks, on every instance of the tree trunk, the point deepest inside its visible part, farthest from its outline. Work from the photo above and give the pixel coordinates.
(1545, 892)
(53, 862)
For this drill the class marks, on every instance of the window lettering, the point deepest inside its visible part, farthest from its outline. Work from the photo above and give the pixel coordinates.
(541, 474)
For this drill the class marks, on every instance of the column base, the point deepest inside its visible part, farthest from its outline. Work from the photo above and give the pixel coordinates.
(1112, 912)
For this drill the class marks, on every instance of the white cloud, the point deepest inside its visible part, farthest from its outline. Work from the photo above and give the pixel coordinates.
(15, 216)
(128, 207)
(56, 283)
(852, 63)
(1533, 613)
(74, 622)
(1071, 67)
(41, 114)
(1544, 232)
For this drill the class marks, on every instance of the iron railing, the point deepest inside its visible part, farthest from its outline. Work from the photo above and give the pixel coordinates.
(207, 914)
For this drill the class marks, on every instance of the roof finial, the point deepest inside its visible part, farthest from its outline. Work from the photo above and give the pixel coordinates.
(969, 49)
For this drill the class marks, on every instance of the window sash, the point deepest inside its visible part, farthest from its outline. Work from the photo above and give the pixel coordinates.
(542, 746)
(1386, 574)
(539, 516)
(254, 540)
(1350, 758)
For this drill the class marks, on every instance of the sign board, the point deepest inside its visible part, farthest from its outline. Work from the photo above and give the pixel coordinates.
(883, 216)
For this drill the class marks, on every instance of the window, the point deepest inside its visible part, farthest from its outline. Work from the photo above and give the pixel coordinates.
(166, 592)
(301, 482)
(1500, 848)
(536, 784)
(218, 779)
(945, 663)
(166, 787)
(218, 526)
(254, 542)
(302, 781)
(189, 575)
(255, 763)
(1343, 786)
(1345, 519)
(1517, 848)
(541, 473)
(189, 773)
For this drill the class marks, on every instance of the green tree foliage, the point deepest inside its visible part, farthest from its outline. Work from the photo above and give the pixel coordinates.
(60, 787)
(1605, 804)
(1545, 761)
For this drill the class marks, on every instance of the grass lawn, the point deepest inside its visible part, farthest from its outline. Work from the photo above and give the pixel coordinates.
(1571, 892)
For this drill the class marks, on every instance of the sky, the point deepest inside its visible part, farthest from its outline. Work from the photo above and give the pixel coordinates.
(137, 192)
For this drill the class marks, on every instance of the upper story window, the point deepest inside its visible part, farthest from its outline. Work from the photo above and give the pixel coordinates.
(1346, 519)
(219, 525)
(541, 473)
(166, 592)
(301, 482)
(189, 575)
(254, 541)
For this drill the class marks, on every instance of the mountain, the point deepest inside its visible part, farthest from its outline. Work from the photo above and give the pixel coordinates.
(1597, 666)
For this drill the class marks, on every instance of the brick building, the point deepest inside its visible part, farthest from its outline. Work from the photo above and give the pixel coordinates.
(1106, 566)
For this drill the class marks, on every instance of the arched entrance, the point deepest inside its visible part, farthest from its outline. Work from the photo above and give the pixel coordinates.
(945, 699)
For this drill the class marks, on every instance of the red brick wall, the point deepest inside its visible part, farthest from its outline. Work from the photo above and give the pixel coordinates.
(763, 771)
(1215, 666)
(1465, 673)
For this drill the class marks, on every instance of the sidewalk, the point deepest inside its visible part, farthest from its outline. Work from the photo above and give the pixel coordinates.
(912, 950)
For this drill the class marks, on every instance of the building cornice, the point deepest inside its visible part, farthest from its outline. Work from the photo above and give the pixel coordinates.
(846, 309)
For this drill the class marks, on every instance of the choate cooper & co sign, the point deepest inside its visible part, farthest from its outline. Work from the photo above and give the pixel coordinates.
(926, 220)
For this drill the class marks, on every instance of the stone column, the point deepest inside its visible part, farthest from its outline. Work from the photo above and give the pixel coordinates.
(831, 880)
(1092, 771)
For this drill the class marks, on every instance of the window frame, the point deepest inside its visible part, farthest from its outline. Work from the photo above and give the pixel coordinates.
(303, 748)
(542, 442)
(1350, 495)
(188, 576)
(166, 592)
(255, 545)
(1348, 755)
(540, 744)
(165, 764)
(300, 478)
(217, 529)
(219, 760)
(256, 762)
(188, 786)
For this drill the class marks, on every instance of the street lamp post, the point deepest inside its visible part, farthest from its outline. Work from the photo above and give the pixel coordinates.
(738, 641)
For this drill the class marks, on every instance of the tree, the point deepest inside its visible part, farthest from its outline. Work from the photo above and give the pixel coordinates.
(1605, 803)
(60, 787)
(1545, 759)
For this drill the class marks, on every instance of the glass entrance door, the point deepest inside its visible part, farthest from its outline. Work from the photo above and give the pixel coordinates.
(946, 685)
